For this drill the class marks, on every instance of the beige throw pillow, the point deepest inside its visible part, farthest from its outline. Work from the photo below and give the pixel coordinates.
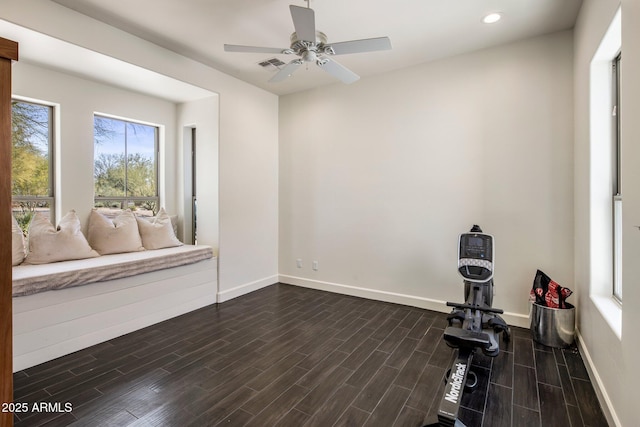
(158, 233)
(50, 244)
(173, 218)
(114, 237)
(17, 242)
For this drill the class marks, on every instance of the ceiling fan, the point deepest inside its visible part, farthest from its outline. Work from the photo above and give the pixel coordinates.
(311, 46)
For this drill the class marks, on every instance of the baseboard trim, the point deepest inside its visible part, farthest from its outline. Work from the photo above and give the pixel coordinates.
(514, 319)
(232, 293)
(601, 391)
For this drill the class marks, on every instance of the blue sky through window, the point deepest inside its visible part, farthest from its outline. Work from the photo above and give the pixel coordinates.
(112, 134)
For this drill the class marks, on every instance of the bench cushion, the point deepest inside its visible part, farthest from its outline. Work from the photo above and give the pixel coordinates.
(31, 279)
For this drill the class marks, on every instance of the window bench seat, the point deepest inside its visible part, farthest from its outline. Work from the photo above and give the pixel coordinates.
(31, 279)
(62, 307)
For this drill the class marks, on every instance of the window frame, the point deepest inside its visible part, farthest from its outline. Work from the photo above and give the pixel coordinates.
(616, 176)
(600, 147)
(125, 201)
(51, 138)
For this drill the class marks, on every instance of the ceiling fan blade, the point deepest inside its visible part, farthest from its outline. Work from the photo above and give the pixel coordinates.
(338, 71)
(286, 71)
(304, 22)
(252, 49)
(357, 46)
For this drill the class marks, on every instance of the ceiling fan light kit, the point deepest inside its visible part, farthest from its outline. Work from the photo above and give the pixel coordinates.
(312, 46)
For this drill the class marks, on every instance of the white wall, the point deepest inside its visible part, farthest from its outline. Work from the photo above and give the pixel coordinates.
(77, 100)
(612, 360)
(248, 192)
(378, 179)
(248, 138)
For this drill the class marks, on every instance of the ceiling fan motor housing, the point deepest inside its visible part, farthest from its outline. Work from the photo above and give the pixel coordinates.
(309, 51)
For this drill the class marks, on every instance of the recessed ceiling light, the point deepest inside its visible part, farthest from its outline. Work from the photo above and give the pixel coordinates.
(491, 18)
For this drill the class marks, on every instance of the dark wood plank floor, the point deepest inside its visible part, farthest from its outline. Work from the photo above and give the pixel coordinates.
(289, 356)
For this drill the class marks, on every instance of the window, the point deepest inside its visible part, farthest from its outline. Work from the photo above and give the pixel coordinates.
(616, 180)
(32, 161)
(605, 178)
(125, 165)
(194, 198)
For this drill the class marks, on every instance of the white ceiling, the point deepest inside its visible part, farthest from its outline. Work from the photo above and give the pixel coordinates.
(420, 30)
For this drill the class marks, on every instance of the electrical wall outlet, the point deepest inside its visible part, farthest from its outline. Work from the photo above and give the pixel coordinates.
(299, 263)
(314, 265)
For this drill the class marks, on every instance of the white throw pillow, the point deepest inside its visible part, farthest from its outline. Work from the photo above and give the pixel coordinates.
(50, 244)
(114, 237)
(157, 233)
(17, 242)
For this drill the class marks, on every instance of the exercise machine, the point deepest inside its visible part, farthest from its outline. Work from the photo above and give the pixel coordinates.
(474, 325)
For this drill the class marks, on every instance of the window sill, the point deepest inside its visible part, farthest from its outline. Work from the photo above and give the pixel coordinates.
(611, 311)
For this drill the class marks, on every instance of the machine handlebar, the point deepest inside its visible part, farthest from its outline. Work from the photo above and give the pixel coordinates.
(475, 307)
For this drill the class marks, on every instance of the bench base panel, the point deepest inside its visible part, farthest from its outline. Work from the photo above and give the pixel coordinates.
(51, 324)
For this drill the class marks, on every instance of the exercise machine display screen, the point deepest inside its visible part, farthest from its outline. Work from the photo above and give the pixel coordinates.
(475, 257)
(476, 246)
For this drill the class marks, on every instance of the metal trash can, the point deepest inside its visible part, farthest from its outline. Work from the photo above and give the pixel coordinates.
(553, 327)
